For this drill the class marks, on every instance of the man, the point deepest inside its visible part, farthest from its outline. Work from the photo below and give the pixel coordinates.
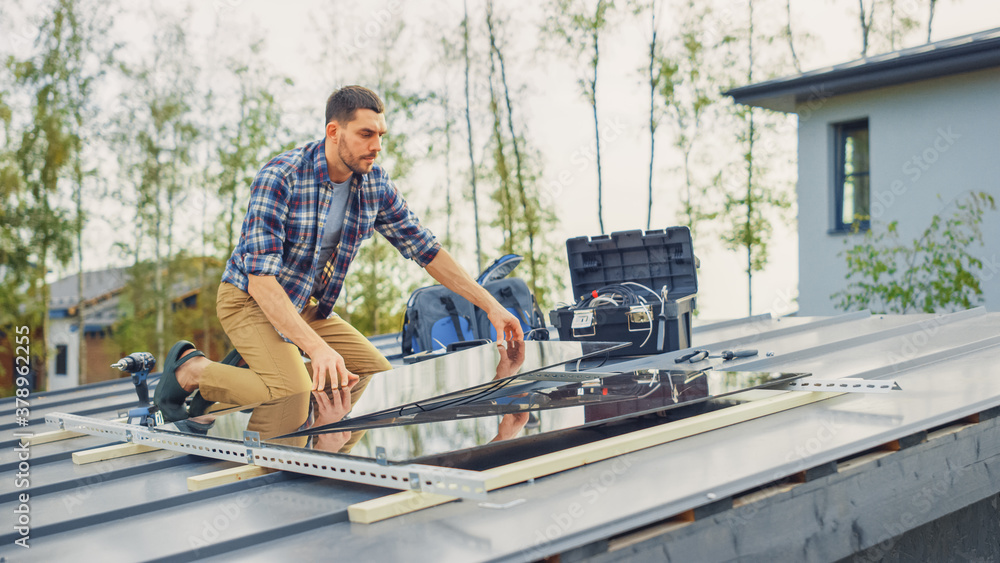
(310, 209)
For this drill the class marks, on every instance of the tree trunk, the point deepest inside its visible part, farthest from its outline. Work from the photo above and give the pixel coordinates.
(791, 39)
(748, 234)
(41, 379)
(930, 19)
(866, 24)
(82, 376)
(688, 206)
(503, 172)
(472, 156)
(652, 116)
(530, 219)
(158, 274)
(203, 302)
(597, 130)
(449, 211)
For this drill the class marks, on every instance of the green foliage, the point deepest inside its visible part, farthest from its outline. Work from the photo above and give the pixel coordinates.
(521, 217)
(41, 154)
(748, 210)
(576, 25)
(374, 296)
(376, 301)
(690, 96)
(935, 272)
(156, 139)
(885, 24)
(751, 200)
(751, 232)
(248, 141)
(136, 327)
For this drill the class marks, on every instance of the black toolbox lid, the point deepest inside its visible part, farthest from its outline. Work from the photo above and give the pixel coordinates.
(651, 258)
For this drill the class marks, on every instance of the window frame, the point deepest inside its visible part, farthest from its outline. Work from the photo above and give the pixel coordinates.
(841, 131)
(62, 357)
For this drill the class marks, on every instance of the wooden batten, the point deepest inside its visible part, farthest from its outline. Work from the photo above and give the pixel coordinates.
(224, 476)
(110, 452)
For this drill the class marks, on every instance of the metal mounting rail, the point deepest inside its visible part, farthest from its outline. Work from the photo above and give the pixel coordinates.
(425, 478)
(845, 385)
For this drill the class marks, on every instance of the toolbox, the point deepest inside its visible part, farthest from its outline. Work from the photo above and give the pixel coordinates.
(631, 286)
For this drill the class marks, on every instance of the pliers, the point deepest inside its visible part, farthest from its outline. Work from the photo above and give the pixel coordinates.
(699, 355)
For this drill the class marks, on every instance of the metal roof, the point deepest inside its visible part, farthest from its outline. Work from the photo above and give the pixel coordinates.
(64, 293)
(967, 53)
(138, 507)
(102, 290)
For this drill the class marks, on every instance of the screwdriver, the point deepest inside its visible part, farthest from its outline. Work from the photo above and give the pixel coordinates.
(733, 354)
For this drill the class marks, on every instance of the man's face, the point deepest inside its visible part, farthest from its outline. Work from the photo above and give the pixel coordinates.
(360, 140)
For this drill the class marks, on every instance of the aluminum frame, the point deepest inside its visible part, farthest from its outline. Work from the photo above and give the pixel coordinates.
(417, 477)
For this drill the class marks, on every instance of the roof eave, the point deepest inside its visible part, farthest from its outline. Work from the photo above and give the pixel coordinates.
(788, 94)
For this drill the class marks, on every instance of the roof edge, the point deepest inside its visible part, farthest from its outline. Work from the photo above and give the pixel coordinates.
(967, 53)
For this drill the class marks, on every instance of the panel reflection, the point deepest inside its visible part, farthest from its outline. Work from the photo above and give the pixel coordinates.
(415, 382)
(603, 396)
(526, 405)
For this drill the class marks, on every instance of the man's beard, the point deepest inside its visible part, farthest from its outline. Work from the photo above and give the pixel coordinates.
(355, 164)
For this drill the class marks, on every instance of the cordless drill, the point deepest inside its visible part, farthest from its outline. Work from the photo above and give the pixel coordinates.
(139, 365)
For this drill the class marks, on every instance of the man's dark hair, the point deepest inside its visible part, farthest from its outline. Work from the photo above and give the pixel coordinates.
(344, 102)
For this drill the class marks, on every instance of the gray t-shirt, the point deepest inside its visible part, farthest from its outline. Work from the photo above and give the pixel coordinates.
(333, 227)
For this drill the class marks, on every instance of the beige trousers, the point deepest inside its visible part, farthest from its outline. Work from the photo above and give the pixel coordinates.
(276, 367)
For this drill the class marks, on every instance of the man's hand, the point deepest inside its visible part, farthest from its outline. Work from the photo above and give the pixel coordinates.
(445, 270)
(329, 411)
(511, 359)
(506, 324)
(510, 425)
(328, 365)
(333, 407)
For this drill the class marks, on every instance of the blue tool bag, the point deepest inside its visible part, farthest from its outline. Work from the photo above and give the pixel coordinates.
(436, 316)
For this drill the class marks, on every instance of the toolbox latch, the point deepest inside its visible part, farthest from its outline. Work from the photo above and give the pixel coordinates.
(638, 315)
(583, 320)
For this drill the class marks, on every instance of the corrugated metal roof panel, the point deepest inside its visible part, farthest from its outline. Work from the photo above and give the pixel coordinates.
(138, 507)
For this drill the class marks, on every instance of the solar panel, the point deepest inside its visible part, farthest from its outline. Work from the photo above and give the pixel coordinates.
(474, 397)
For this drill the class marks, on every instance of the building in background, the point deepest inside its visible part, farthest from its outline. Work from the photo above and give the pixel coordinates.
(895, 137)
(101, 300)
(105, 304)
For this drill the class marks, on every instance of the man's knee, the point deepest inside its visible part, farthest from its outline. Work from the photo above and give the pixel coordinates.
(373, 364)
(300, 382)
(382, 364)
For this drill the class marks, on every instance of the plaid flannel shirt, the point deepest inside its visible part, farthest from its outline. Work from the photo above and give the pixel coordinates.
(289, 200)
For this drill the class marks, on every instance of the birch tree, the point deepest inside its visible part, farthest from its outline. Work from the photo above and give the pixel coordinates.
(468, 125)
(156, 144)
(578, 26)
(748, 210)
(521, 215)
(374, 296)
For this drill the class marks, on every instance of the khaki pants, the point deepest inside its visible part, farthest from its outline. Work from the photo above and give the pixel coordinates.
(276, 367)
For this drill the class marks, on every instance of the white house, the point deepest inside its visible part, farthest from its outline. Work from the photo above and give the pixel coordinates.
(894, 137)
(101, 291)
(102, 308)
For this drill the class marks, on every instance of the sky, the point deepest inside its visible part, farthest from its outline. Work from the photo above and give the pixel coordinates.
(555, 115)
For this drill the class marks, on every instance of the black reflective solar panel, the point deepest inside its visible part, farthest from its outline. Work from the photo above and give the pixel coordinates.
(482, 395)
(602, 395)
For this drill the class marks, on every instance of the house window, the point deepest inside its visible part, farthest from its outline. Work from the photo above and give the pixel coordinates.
(851, 184)
(62, 353)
